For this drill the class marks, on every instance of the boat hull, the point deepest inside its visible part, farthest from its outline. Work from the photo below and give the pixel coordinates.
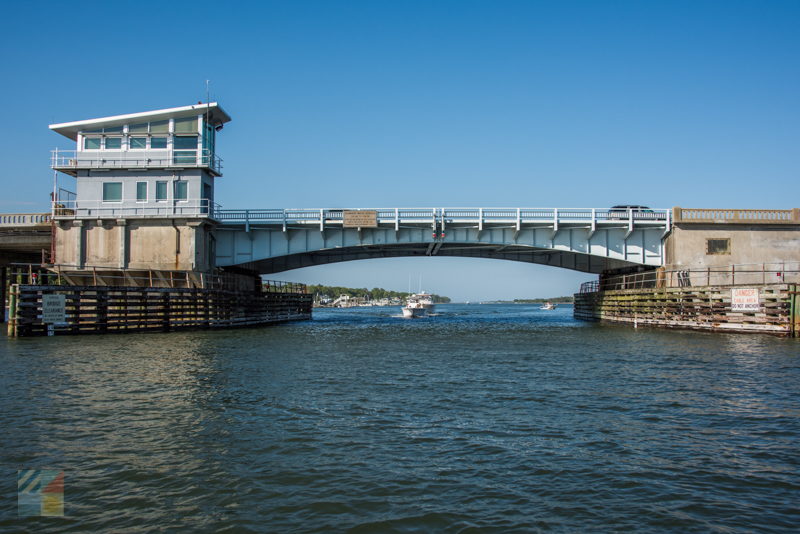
(412, 313)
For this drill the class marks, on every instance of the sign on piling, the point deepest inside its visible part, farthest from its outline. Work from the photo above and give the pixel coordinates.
(54, 309)
(360, 219)
(744, 299)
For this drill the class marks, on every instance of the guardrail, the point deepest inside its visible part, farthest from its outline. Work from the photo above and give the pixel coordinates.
(201, 207)
(448, 215)
(29, 274)
(72, 159)
(729, 275)
(736, 216)
(16, 220)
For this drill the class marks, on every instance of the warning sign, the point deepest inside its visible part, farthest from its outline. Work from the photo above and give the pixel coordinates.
(744, 299)
(54, 309)
(360, 219)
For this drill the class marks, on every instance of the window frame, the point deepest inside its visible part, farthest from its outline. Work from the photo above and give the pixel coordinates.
(105, 142)
(183, 184)
(121, 193)
(166, 191)
(97, 137)
(164, 137)
(146, 192)
(132, 137)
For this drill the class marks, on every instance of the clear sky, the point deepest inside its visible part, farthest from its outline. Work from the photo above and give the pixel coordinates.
(430, 103)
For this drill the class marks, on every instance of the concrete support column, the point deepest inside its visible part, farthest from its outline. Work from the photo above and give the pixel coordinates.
(122, 224)
(80, 253)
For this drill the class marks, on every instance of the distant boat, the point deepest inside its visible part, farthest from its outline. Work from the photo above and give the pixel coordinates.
(548, 306)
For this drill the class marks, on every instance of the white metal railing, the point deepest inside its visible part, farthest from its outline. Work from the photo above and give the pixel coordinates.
(17, 220)
(202, 207)
(139, 159)
(661, 217)
(787, 272)
(733, 216)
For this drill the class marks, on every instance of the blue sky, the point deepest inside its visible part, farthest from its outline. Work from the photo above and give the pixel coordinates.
(435, 103)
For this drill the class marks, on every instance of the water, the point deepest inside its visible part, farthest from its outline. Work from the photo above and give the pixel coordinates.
(486, 418)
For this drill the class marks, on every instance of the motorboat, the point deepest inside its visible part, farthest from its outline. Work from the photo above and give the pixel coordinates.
(414, 308)
(426, 299)
(548, 306)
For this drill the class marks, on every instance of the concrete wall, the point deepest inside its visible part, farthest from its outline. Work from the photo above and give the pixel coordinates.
(749, 244)
(134, 244)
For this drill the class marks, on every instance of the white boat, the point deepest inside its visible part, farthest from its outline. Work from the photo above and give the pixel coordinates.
(426, 299)
(548, 306)
(419, 305)
(414, 308)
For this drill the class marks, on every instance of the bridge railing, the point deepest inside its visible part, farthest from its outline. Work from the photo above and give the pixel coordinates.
(16, 220)
(449, 215)
(727, 275)
(736, 216)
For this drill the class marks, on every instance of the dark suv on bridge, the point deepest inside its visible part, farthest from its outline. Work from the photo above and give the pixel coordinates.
(638, 212)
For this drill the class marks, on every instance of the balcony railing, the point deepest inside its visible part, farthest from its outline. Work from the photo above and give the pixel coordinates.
(201, 207)
(66, 160)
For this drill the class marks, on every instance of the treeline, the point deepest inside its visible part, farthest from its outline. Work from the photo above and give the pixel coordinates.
(376, 293)
(557, 300)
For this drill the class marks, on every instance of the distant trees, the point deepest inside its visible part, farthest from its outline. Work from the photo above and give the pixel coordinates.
(376, 293)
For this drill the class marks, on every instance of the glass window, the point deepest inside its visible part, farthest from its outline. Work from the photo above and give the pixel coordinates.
(113, 143)
(113, 129)
(137, 128)
(185, 142)
(112, 192)
(187, 125)
(141, 191)
(181, 190)
(138, 143)
(91, 143)
(161, 191)
(159, 127)
(158, 142)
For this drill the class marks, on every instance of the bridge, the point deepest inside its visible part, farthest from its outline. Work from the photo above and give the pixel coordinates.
(590, 240)
(23, 237)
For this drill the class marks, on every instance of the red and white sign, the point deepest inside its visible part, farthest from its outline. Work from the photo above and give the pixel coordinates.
(744, 299)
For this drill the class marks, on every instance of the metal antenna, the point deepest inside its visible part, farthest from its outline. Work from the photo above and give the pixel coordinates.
(208, 100)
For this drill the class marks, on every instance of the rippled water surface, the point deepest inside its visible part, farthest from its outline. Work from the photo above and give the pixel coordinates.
(485, 418)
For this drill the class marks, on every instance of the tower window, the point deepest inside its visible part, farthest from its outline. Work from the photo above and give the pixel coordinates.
(113, 143)
(91, 143)
(112, 192)
(141, 191)
(161, 191)
(158, 142)
(138, 143)
(181, 190)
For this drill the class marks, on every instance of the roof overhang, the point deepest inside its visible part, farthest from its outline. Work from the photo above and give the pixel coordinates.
(216, 116)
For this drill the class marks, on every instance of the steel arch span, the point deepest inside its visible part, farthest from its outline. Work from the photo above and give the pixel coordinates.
(586, 240)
